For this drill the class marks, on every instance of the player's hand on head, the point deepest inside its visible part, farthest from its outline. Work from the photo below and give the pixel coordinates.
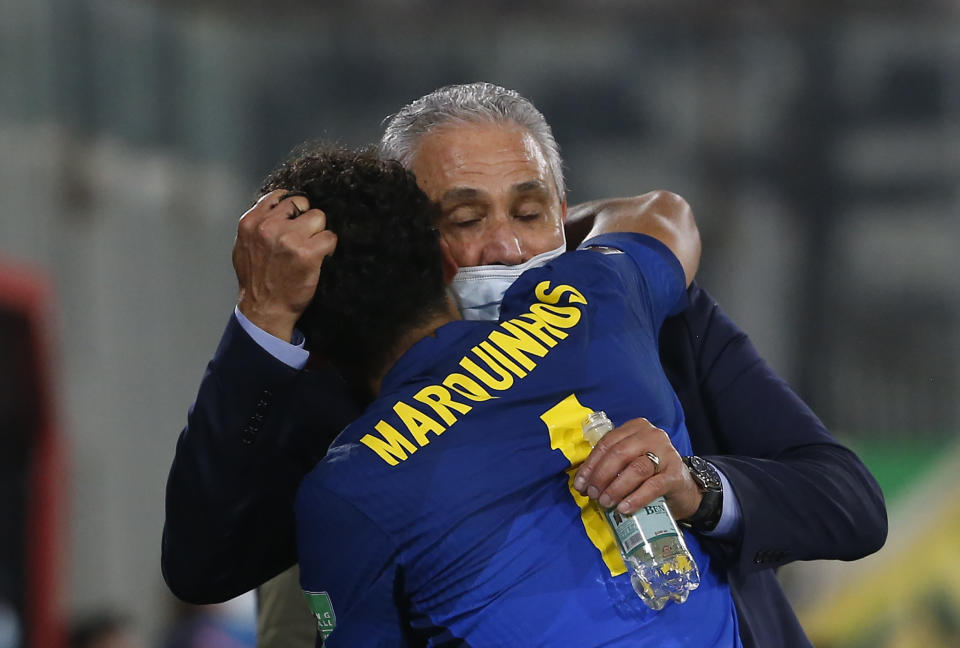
(280, 246)
(618, 473)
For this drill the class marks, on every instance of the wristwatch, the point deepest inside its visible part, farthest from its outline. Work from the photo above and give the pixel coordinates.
(708, 480)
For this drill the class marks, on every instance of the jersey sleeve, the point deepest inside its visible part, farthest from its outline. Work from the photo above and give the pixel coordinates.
(650, 271)
(348, 571)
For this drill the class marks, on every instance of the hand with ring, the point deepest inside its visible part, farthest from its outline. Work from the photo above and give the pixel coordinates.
(281, 244)
(634, 464)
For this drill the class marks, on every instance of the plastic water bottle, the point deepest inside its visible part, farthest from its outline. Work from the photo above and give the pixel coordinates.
(650, 543)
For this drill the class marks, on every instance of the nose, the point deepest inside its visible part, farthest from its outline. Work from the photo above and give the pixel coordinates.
(502, 245)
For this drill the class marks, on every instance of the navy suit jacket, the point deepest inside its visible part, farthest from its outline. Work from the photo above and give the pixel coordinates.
(258, 426)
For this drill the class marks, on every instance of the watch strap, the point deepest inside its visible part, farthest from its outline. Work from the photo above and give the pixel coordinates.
(707, 515)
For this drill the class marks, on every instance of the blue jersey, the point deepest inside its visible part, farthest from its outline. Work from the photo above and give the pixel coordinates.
(446, 514)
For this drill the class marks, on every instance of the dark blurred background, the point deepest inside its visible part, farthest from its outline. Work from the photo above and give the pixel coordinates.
(819, 144)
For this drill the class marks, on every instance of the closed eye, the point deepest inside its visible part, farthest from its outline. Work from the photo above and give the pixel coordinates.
(465, 216)
(528, 216)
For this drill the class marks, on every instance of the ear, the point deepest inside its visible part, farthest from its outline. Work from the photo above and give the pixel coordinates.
(450, 266)
(563, 211)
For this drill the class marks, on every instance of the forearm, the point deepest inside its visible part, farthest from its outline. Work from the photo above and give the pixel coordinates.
(816, 502)
(802, 494)
(663, 215)
(217, 545)
(579, 221)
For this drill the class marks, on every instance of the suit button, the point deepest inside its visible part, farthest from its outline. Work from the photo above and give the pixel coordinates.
(248, 435)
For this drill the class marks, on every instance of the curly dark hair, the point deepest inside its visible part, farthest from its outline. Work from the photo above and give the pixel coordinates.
(386, 275)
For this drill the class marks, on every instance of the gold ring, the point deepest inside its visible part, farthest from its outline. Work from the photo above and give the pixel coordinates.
(656, 462)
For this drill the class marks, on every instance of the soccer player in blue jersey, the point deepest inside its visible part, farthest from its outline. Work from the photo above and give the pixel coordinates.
(447, 514)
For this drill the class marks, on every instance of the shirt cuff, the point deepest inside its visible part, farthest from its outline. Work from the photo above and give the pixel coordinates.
(730, 516)
(291, 354)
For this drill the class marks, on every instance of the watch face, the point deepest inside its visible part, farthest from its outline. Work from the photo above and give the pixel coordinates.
(704, 474)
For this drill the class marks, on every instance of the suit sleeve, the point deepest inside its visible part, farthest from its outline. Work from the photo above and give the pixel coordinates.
(256, 428)
(803, 494)
(349, 563)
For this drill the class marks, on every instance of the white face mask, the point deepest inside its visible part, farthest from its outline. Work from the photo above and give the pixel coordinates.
(479, 289)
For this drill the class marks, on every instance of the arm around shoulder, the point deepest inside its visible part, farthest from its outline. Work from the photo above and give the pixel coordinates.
(661, 214)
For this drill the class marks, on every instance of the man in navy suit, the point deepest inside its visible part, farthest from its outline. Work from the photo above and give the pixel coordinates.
(771, 485)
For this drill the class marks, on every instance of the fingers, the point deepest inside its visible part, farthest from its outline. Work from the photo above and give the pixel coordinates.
(611, 455)
(304, 239)
(284, 221)
(308, 223)
(278, 253)
(307, 251)
(589, 465)
(276, 204)
(618, 472)
(323, 243)
(292, 203)
(636, 474)
(298, 203)
(628, 497)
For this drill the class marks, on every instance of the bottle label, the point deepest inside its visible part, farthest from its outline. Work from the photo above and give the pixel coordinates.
(650, 532)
